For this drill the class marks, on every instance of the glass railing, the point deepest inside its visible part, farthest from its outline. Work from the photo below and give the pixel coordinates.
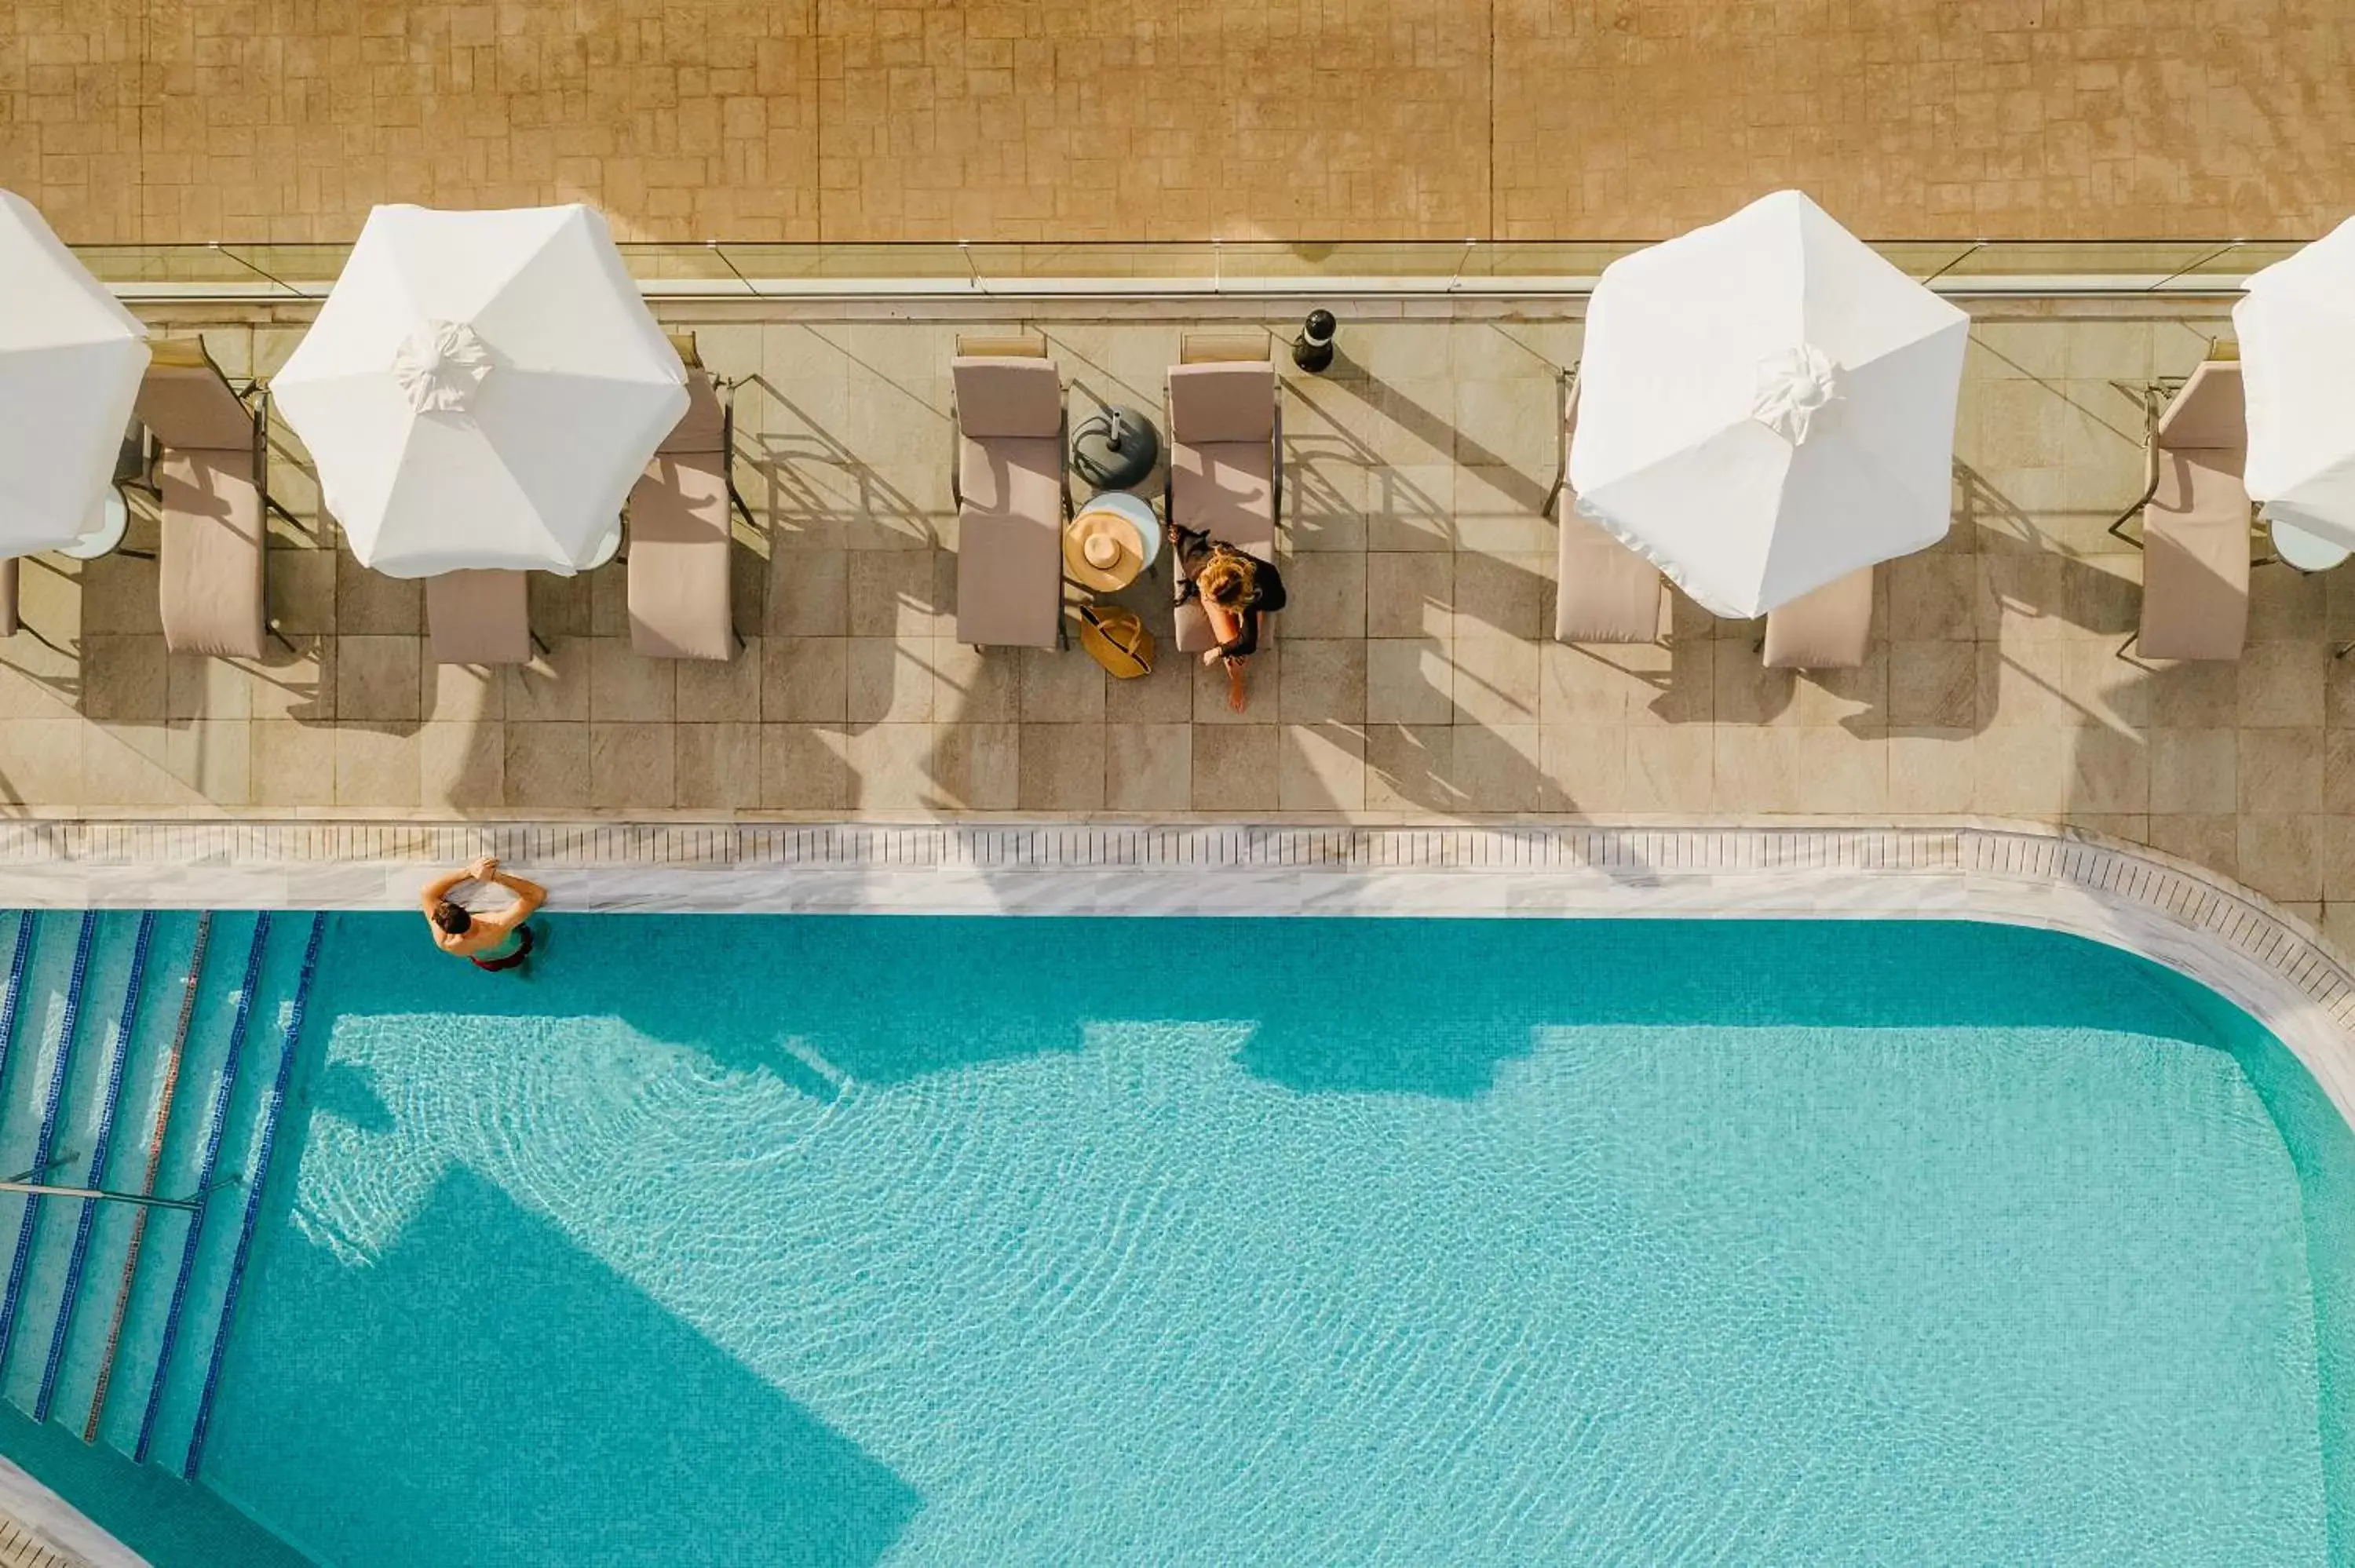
(721, 269)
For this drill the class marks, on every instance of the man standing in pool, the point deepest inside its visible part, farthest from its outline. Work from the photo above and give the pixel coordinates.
(495, 941)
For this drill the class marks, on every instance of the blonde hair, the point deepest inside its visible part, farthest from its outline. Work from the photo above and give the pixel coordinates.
(1225, 582)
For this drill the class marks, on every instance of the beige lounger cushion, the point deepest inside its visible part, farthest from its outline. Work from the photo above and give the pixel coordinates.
(185, 401)
(210, 569)
(1605, 592)
(679, 606)
(1221, 403)
(2195, 566)
(1008, 397)
(2195, 531)
(1227, 490)
(479, 617)
(1009, 556)
(8, 622)
(1827, 629)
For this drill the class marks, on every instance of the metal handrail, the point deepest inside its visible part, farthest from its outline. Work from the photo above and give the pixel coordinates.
(718, 269)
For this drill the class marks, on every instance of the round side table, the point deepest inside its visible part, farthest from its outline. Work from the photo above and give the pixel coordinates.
(106, 531)
(2309, 551)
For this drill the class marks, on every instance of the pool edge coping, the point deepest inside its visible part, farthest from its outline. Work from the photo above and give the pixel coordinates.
(2177, 913)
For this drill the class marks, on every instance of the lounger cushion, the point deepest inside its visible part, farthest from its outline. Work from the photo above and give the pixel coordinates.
(1605, 592)
(1008, 397)
(479, 617)
(1227, 490)
(704, 426)
(1009, 556)
(1221, 403)
(1827, 629)
(210, 570)
(2209, 412)
(8, 596)
(190, 406)
(679, 606)
(2195, 584)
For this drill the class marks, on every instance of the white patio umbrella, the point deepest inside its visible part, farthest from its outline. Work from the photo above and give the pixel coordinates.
(1767, 405)
(481, 389)
(70, 361)
(2297, 329)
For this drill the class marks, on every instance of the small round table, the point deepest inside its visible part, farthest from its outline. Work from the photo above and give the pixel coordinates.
(607, 549)
(2309, 551)
(106, 532)
(1134, 511)
(1116, 448)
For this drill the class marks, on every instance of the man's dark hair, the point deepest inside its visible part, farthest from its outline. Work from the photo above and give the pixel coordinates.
(452, 917)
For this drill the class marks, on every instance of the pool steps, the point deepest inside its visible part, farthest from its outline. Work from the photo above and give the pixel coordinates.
(256, 1183)
(170, 1083)
(216, 1124)
(61, 1063)
(100, 1151)
(203, 1087)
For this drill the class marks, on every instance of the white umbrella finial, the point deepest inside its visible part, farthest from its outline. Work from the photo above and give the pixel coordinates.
(1792, 388)
(440, 364)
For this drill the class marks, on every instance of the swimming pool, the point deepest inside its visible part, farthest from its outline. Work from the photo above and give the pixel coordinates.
(776, 1240)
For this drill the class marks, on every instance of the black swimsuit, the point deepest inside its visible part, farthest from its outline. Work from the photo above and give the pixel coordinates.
(1195, 549)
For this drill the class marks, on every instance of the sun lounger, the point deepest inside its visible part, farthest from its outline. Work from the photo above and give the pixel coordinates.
(679, 544)
(479, 617)
(1225, 464)
(1829, 629)
(1603, 591)
(2196, 521)
(209, 477)
(1008, 482)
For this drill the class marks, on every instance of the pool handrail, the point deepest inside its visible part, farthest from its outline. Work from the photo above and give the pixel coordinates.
(272, 1105)
(94, 1179)
(61, 1065)
(155, 1164)
(215, 1125)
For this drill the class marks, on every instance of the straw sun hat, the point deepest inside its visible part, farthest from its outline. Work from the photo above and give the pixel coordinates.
(1102, 551)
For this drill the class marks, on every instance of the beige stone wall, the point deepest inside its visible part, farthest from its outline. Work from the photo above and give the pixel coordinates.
(877, 120)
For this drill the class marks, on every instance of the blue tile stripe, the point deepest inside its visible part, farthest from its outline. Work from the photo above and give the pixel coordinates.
(16, 991)
(214, 1128)
(99, 1154)
(255, 1183)
(189, 986)
(15, 1299)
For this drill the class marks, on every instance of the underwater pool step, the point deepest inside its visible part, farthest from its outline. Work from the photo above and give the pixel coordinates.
(100, 1158)
(60, 1065)
(216, 1126)
(167, 1092)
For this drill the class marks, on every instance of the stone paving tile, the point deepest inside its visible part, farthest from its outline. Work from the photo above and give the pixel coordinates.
(1412, 682)
(867, 121)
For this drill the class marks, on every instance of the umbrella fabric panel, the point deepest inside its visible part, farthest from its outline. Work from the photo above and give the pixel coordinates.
(70, 362)
(2297, 331)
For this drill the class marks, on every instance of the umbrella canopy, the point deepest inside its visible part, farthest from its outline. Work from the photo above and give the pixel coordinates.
(71, 360)
(481, 389)
(1767, 405)
(2297, 329)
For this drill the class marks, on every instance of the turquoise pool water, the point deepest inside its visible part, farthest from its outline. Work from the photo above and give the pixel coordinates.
(828, 1241)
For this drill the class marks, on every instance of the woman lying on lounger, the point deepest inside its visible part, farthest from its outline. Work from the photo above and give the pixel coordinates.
(1235, 590)
(494, 941)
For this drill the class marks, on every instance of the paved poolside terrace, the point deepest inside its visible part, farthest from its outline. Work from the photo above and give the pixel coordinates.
(1414, 679)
